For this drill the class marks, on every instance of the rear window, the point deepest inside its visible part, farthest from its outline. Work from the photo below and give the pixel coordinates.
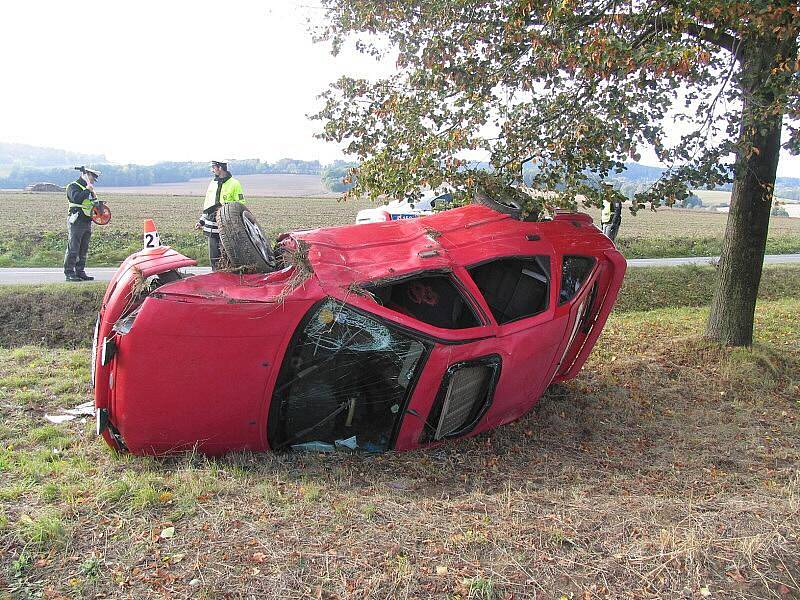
(432, 298)
(574, 272)
(514, 288)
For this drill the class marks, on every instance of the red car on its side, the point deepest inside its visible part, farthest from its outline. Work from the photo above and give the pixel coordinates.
(385, 336)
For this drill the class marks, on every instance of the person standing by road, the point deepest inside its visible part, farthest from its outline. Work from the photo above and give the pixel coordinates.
(221, 190)
(81, 198)
(611, 218)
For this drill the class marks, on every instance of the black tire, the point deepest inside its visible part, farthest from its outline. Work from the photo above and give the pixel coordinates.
(506, 206)
(169, 277)
(243, 244)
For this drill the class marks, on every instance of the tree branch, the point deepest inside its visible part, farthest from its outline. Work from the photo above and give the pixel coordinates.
(719, 38)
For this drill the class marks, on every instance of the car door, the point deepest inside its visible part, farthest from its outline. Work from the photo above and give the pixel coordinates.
(519, 296)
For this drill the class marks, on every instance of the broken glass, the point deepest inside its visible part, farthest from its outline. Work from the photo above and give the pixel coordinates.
(346, 375)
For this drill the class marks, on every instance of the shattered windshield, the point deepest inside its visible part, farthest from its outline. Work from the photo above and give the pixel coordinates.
(344, 382)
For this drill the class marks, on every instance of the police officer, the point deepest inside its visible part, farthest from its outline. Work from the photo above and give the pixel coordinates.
(221, 190)
(81, 198)
(611, 218)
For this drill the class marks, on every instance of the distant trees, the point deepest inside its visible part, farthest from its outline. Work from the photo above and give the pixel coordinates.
(296, 167)
(692, 201)
(164, 172)
(778, 210)
(337, 177)
(788, 190)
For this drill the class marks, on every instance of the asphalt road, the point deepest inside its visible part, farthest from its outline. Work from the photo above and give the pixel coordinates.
(11, 276)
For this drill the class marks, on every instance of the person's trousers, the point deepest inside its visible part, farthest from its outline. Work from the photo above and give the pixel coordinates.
(78, 236)
(214, 252)
(610, 230)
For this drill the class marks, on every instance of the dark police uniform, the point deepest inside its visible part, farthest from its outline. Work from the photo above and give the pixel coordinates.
(79, 230)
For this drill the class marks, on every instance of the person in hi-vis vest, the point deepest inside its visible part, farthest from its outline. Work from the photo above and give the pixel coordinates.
(221, 190)
(611, 218)
(81, 199)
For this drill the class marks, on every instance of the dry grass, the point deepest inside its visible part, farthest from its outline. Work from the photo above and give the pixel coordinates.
(298, 257)
(671, 222)
(178, 214)
(40, 239)
(668, 469)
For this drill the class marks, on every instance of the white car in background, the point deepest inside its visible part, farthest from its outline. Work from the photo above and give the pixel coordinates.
(403, 209)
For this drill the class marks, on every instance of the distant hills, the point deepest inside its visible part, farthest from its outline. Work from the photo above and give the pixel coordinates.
(637, 177)
(23, 164)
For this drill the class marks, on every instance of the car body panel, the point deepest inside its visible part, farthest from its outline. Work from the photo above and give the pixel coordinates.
(196, 364)
(242, 344)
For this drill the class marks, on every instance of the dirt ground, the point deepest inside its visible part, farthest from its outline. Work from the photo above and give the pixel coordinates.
(667, 469)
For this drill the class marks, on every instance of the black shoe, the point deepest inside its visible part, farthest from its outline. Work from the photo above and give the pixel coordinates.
(84, 277)
(72, 277)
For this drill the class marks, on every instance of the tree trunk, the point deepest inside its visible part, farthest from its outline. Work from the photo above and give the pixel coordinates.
(739, 273)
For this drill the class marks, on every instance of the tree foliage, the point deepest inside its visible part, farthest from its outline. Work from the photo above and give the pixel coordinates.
(574, 87)
(338, 176)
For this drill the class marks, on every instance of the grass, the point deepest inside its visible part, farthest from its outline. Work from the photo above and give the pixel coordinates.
(669, 247)
(672, 232)
(41, 239)
(693, 285)
(667, 468)
(63, 315)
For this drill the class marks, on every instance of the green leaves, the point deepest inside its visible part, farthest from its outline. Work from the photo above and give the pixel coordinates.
(572, 88)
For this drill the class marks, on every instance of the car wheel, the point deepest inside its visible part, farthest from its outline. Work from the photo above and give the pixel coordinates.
(242, 241)
(507, 206)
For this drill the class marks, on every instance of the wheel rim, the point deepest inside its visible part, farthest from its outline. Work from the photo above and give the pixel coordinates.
(256, 237)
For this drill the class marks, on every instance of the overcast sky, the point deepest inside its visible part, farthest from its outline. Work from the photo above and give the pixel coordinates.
(173, 80)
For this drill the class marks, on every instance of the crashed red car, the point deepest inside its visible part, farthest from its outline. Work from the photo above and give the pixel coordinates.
(385, 336)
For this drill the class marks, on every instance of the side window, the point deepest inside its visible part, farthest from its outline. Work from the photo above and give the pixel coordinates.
(514, 288)
(574, 272)
(433, 299)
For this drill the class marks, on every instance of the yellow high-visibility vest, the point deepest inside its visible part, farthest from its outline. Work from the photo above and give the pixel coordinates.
(231, 192)
(86, 205)
(605, 214)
